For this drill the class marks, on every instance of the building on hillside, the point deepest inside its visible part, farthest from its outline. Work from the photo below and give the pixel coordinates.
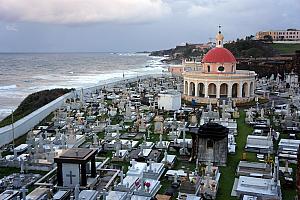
(279, 35)
(218, 78)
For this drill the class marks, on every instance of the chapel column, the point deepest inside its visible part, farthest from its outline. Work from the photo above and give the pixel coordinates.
(240, 89)
(205, 89)
(253, 86)
(249, 91)
(188, 87)
(196, 90)
(218, 90)
(229, 95)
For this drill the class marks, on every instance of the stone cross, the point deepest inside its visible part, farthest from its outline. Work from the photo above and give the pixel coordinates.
(197, 165)
(76, 192)
(262, 112)
(223, 109)
(23, 190)
(160, 139)
(117, 148)
(133, 163)
(95, 139)
(142, 150)
(22, 166)
(166, 156)
(175, 177)
(286, 167)
(121, 177)
(150, 165)
(229, 103)
(209, 167)
(273, 104)
(183, 134)
(71, 175)
(104, 194)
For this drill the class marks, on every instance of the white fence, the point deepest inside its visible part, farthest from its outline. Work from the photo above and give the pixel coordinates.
(25, 124)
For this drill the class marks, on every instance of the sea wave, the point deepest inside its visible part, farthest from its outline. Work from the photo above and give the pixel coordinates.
(35, 72)
(8, 87)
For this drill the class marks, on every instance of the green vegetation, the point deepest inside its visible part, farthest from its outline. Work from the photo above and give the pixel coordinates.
(285, 48)
(33, 102)
(187, 51)
(228, 172)
(249, 48)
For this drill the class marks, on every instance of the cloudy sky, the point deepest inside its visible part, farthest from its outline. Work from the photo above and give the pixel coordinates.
(134, 25)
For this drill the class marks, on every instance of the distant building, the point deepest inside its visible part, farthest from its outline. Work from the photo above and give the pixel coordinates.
(280, 35)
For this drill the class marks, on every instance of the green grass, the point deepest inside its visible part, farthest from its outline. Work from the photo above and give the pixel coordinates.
(286, 48)
(228, 172)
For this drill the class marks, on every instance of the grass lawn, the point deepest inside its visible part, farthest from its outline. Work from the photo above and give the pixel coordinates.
(286, 48)
(228, 172)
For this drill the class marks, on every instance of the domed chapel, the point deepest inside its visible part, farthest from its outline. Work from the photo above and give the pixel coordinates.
(218, 78)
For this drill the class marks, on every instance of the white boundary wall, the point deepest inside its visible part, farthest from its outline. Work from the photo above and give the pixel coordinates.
(25, 124)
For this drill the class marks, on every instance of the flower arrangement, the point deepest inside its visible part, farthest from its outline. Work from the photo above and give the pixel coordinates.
(147, 185)
(137, 183)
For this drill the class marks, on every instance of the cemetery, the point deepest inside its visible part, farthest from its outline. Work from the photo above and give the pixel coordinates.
(138, 140)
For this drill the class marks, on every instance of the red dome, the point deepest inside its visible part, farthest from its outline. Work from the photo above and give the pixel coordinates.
(219, 55)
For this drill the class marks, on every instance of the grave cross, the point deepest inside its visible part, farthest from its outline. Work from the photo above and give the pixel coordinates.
(71, 175)
(23, 190)
(150, 165)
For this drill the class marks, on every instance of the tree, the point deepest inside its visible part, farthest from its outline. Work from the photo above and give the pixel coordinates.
(268, 38)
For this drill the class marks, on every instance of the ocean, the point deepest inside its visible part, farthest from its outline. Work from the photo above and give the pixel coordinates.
(24, 73)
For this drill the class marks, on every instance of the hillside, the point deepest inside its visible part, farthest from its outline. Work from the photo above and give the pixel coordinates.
(242, 48)
(187, 51)
(250, 48)
(33, 102)
(285, 48)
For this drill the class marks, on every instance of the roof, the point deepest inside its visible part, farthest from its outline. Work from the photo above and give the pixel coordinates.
(76, 155)
(213, 130)
(219, 55)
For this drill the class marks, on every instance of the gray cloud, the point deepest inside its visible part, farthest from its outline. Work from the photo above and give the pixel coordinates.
(82, 11)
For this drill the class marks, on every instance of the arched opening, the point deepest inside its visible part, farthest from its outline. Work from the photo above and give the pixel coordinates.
(251, 89)
(192, 89)
(201, 91)
(212, 90)
(235, 87)
(245, 91)
(208, 68)
(223, 90)
(186, 88)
